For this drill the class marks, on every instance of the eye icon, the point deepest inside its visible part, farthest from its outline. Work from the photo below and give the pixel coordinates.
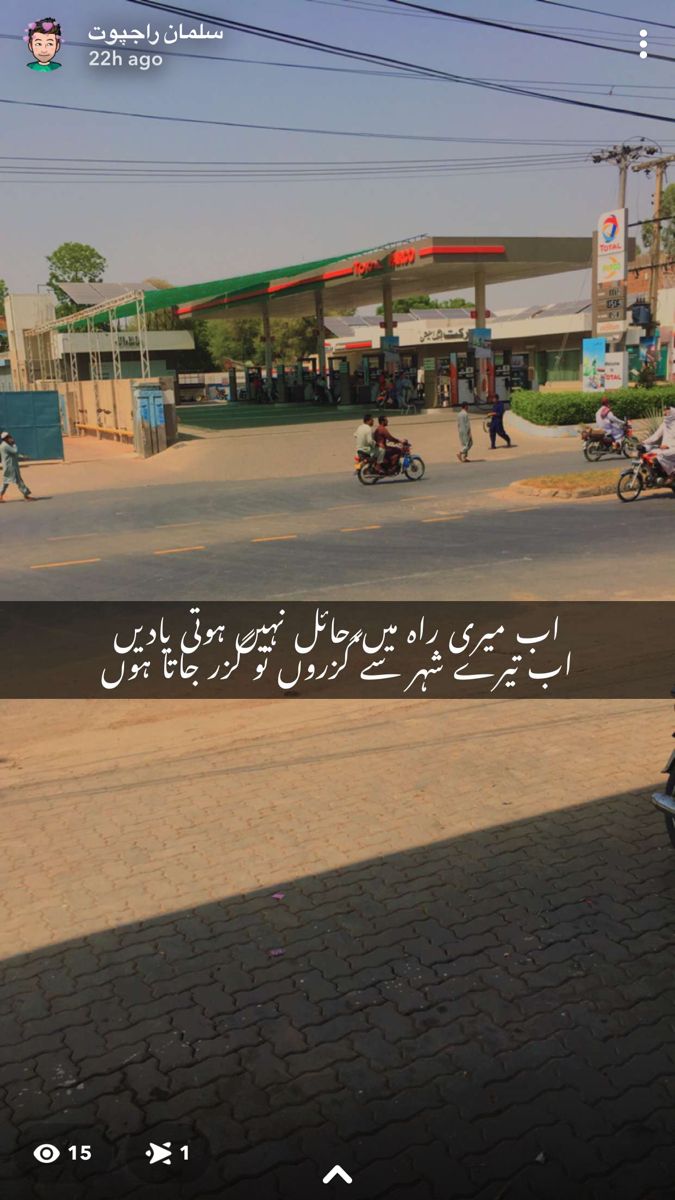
(46, 1153)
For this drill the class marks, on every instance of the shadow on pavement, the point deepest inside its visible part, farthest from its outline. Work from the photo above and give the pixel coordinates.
(490, 1016)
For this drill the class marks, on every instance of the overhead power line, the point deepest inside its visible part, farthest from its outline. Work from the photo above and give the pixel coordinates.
(508, 27)
(368, 56)
(600, 12)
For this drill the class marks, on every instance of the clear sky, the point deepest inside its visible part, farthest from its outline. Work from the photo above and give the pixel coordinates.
(195, 229)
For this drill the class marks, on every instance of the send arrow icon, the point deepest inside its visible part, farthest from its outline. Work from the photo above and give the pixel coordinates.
(337, 1171)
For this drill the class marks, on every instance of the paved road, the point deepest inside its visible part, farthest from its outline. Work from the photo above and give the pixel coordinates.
(455, 535)
(455, 979)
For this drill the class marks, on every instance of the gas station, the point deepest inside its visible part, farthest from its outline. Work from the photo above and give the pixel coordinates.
(379, 276)
(321, 290)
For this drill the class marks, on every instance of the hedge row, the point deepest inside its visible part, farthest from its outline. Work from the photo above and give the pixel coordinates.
(573, 408)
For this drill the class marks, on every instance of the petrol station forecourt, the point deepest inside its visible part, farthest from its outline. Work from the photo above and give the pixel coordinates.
(268, 512)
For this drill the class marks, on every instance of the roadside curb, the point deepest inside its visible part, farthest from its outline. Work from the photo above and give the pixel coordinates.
(547, 431)
(522, 485)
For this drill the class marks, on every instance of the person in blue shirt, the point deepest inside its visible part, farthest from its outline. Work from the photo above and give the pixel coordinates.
(497, 423)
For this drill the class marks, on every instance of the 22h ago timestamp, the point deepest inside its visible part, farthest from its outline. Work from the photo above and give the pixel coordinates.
(113, 58)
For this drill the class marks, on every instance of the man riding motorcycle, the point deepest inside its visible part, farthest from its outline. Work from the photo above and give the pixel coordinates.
(664, 437)
(366, 444)
(605, 419)
(385, 441)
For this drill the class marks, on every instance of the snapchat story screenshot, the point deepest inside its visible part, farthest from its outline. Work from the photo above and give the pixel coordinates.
(337, 627)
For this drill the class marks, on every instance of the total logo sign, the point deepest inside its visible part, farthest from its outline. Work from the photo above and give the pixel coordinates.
(611, 256)
(612, 232)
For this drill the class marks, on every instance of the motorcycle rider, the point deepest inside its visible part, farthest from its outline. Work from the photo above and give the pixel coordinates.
(605, 419)
(384, 438)
(664, 437)
(365, 442)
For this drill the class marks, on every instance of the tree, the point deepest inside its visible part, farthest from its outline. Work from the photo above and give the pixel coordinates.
(73, 262)
(667, 227)
(405, 303)
(243, 341)
(3, 292)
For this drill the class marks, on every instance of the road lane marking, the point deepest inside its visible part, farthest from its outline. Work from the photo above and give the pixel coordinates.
(180, 550)
(421, 499)
(432, 520)
(75, 562)
(280, 537)
(64, 537)
(178, 524)
(360, 528)
(335, 507)
(262, 516)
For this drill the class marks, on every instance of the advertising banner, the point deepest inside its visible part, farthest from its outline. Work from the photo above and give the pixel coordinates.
(593, 365)
(616, 370)
(481, 340)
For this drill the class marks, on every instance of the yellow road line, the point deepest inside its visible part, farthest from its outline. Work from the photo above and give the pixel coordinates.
(360, 528)
(180, 550)
(75, 562)
(432, 520)
(281, 537)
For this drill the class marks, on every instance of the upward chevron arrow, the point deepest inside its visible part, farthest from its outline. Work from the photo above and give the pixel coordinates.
(337, 1170)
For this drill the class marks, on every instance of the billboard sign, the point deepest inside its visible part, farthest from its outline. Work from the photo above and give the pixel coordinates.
(593, 365)
(616, 370)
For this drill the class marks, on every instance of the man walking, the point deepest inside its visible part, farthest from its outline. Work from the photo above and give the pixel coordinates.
(9, 460)
(464, 431)
(497, 423)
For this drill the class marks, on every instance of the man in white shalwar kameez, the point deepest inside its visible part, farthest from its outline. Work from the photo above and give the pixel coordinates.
(664, 438)
(605, 419)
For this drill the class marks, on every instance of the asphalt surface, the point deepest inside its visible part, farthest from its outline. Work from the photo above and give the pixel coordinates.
(454, 535)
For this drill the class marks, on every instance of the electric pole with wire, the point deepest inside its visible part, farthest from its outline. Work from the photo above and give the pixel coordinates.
(659, 166)
(624, 156)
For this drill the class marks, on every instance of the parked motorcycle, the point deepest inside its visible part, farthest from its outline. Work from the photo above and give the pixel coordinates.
(665, 801)
(598, 443)
(645, 473)
(410, 465)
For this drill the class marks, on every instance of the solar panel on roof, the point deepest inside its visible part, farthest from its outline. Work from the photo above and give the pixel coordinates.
(96, 293)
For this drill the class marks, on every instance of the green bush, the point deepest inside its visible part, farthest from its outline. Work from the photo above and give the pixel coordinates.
(575, 408)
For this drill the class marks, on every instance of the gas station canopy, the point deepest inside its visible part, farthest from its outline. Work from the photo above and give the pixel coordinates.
(425, 265)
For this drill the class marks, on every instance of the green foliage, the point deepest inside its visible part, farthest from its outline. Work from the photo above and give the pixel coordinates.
(653, 419)
(73, 262)
(405, 303)
(574, 408)
(667, 227)
(3, 292)
(242, 340)
(647, 375)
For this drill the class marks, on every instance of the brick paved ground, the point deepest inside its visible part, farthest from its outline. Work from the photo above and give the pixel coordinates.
(475, 997)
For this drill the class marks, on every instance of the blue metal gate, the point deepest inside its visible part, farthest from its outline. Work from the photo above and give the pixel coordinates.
(34, 421)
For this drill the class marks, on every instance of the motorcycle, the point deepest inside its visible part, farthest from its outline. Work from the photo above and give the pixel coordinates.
(645, 473)
(598, 443)
(405, 463)
(665, 801)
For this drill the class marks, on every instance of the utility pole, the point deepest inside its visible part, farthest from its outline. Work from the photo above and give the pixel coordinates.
(624, 156)
(659, 166)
